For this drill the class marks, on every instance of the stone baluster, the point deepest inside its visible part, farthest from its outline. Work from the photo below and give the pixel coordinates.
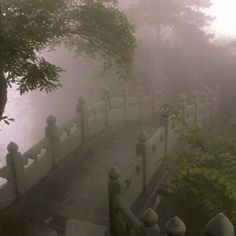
(141, 151)
(140, 95)
(15, 160)
(52, 133)
(183, 103)
(195, 103)
(149, 225)
(220, 225)
(153, 103)
(175, 227)
(125, 102)
(82, 109)
(107, 100)
(165, 122)
(114, 190)
(206, 111)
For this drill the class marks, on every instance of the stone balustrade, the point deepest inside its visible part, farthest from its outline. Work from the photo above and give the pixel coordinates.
(125, 189)
(23, 171)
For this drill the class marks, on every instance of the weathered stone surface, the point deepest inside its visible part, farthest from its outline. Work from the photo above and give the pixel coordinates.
(149, 218)
(175, 227)
(77, 227)
(220, 225)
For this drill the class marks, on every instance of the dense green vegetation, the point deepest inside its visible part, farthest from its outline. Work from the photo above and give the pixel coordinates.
(203, 166)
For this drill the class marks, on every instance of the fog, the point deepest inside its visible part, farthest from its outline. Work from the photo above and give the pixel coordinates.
(180, 58)
(30, 110)
(163, 139)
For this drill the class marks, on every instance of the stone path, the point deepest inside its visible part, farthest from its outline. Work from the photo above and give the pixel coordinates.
(78, 188)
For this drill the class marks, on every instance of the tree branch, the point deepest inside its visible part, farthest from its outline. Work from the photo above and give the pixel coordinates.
(3, 93)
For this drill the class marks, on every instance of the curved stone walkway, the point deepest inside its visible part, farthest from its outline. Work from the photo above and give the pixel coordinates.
(78, 187)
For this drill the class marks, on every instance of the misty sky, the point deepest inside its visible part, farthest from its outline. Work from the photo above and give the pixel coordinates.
(225, 13)
(223, 10)
(20, 107)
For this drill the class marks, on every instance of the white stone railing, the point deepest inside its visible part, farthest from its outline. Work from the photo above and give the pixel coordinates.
(23, 171)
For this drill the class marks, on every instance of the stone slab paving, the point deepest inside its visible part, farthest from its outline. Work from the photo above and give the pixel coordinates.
(78, 187)
(77, 227)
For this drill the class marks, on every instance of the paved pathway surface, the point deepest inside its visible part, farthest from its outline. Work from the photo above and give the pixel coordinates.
(78, 187)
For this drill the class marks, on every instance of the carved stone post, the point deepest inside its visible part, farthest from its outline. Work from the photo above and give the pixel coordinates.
(114, 190)
(195, 103)
(15, 161)
(220, 225)
(175, 227)
(125, 101)
(149, 226)
(165, 123)
(52, 133)
(82, 109)
(205, 109)
(107, 100)
(183, 103)
(141, 151)
(140, 94)
(153, 103)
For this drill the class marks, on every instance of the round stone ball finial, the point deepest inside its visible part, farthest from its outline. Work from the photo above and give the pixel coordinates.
(81, 101)
(51, 120)
(106, 90)
(175, 227)
(220, 225)
(114, 173)
(149, 217)
(12, 148)
(142, 136)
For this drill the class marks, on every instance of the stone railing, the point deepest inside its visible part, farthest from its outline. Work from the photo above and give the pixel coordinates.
(125, 189)
(123, 222)
(23, 171)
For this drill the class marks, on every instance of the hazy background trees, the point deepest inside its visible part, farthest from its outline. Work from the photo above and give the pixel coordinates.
(175, 50)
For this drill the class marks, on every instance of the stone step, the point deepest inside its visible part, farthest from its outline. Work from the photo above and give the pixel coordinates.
(76, 227)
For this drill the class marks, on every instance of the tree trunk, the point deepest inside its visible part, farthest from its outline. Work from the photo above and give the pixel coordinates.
(3, 93)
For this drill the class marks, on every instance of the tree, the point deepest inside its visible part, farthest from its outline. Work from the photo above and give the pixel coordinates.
(179, 44)
(90, 27)
(203, 166)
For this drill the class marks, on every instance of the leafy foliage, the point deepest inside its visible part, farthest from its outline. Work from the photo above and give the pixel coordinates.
(204, 165)
(89, 27)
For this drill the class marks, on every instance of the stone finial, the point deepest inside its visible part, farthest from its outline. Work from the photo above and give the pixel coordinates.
(114, 173)
(51, 120)
(81, 100)
(142, 136)
(195, 96)
(12, 148)
(140, 90)
(175, 227)
(124, 89)
(106, 91)
(182, 98)
(203, 96)
(149, 217)
(220, 225)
